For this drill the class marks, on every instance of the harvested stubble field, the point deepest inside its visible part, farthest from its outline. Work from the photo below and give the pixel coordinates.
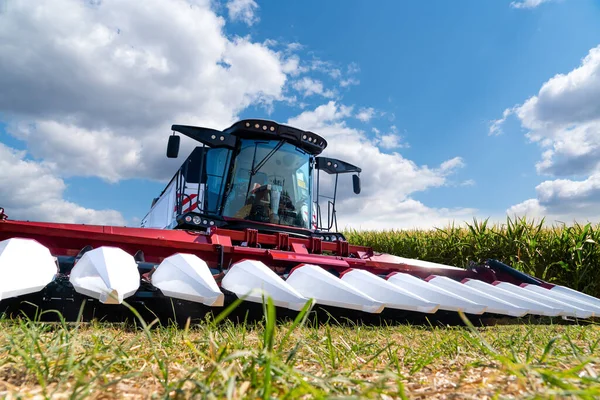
(297, 360)
(302, 359)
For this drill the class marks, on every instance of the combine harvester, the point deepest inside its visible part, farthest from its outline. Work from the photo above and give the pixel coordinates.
(242, 218)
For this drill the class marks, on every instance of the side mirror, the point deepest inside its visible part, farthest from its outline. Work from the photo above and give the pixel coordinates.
(173, 146)
(356, 183)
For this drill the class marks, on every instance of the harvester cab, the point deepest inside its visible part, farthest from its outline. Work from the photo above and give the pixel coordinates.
(256, 174)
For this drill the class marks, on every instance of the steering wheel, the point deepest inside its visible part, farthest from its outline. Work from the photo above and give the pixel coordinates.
(259, 213)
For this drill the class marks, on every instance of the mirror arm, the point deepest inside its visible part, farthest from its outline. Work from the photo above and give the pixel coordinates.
(206, 136)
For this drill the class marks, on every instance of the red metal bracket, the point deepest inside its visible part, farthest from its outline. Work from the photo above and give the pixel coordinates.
(283, 241)
(316, 245)
(343, 248)
(299, 248)
(220, 239)
(251, 237)
(329, 261)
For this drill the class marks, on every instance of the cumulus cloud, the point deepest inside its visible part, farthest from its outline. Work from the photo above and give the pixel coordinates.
(564, 120)
(365, 114)
(29, 190)
(564, 199)
(390, 140)
(83, 152)
(243, 10)
(527, 3)
(103, 83)
(308, 87)
(388, 180)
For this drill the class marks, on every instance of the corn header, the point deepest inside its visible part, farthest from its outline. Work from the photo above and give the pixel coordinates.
(245, 216)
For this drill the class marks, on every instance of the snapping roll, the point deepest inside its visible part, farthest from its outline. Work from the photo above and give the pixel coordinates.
(314, 282)
(26, 266)
(187, 277)
(254, 281)
(108, 274)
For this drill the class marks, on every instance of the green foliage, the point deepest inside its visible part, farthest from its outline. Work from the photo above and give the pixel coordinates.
(565, 255)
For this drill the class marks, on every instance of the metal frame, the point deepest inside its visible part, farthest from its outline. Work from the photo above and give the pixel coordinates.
(157, 244)
(332, 167)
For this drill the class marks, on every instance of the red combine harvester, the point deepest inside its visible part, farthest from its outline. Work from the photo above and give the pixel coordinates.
(242, 218)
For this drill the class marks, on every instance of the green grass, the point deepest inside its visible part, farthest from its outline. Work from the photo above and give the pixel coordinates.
(561, 254)
(296, 360)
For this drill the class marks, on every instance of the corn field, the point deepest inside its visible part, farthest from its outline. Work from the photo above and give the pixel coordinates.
(565, 255)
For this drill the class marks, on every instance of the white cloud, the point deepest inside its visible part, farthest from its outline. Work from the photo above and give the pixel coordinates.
(291, 66)
(92, 152)
(389, 141)
(29, 190)
(326, 67)
(566, 98)
(100, 85)
(335, 73)
(561, 190)
(344, 76)
(295, 46)
(527, 3)
(564, 199)
(243, 10)
(496, 125)
(564, 119)
(388, 180)
(386, 213)
(452, 164)
(349, 82)
(530, 208)
(309, 87)
(321, 116)
(365, 114)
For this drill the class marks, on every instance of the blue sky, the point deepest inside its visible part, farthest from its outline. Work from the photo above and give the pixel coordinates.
(433, 74)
